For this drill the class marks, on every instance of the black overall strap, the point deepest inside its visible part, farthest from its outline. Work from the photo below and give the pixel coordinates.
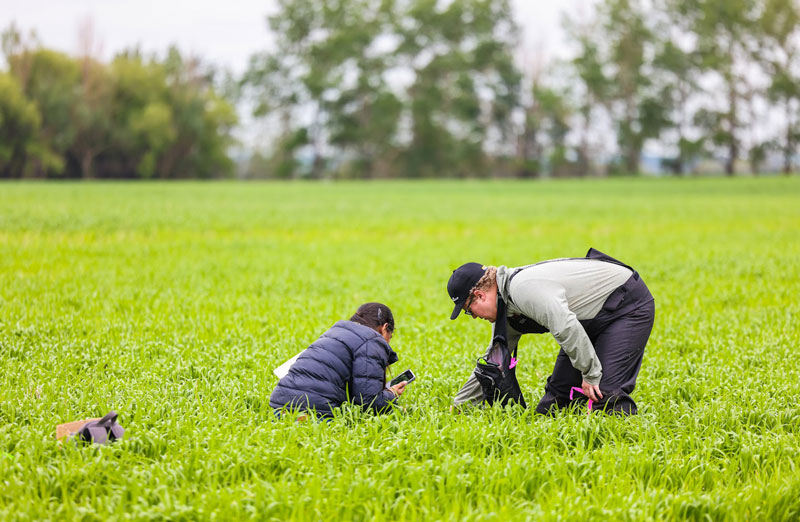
(512, 276)
(501, 326)
(522, 323)
(593, 253)
(501, 323)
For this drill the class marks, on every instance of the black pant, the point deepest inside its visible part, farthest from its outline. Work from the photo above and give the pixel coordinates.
(619, 334)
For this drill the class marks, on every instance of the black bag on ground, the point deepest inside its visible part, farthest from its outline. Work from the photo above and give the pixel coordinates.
(102, 430)
(496, 371)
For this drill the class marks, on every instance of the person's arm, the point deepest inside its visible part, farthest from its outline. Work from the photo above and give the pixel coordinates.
(369, 374)
(546, 303)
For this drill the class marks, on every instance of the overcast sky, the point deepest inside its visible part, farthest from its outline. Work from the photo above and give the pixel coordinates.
(224, 33)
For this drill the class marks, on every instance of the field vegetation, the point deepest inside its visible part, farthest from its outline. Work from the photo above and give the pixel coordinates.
(172, 303)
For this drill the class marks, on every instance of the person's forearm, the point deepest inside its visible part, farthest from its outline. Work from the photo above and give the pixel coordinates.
(579, 349)
(383, 401)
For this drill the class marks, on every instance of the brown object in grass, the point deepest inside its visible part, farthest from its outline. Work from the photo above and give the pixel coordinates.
(68, 428)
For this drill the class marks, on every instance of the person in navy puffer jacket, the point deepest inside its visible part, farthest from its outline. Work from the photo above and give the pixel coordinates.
(347, 363)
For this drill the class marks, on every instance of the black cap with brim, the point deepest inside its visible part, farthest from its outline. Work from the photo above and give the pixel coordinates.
(463, 280)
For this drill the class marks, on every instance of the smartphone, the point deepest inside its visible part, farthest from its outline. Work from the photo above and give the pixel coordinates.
(407, 376)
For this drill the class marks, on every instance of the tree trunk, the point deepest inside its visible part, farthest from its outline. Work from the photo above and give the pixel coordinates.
(86, 164)
(729, 162)
(789, 149)
(632, 151)
(632, 159)
(733, 146)
(584, 163)
(526, 148)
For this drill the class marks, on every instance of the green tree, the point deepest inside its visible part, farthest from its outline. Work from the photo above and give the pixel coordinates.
(779, 54)
(330, 81)
(288, 83)
(155, 132)
(90, 116)
(22, 152)
(362, 111)
(542, 142)
(170, 123)
(203, 121)
(723, 32)
(465, 85)
(677, 73)
(50, 80)
(135, 117)
(615, 62)
(588, 66)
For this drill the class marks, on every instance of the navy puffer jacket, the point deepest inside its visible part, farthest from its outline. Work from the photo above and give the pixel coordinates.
(348, 362)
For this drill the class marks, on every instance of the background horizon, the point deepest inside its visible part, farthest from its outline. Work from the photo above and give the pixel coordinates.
(402, 89)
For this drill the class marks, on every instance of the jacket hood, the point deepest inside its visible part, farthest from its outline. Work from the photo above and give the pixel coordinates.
(366, 333)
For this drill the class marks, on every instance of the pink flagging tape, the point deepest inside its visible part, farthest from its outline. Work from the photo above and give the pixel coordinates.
(579, 390)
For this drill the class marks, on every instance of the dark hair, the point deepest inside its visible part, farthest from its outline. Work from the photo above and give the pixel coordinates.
(374, 315)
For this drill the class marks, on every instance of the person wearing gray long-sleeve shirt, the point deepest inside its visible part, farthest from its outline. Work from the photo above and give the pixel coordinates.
(598, 309)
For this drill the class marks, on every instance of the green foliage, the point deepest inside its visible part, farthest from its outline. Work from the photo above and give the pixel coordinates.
(677, 76)
(21, 147)
(172, 303)
(331, 73)
(154, 127)
(725, 35)
(51, 80)
(779, 52)
(425, 88)
(616, 62)
(545, 132)
(134, 117)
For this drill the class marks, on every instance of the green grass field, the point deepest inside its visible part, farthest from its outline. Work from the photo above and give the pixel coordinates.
(172, 303)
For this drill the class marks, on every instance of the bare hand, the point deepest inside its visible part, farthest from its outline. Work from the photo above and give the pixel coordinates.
(399, 388)
(591, 390)
(456, 409)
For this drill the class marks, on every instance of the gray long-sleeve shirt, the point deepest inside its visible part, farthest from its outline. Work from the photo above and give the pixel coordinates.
(557, 294)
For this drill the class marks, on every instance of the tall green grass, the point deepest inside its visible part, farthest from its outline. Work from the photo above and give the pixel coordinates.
(172, 303)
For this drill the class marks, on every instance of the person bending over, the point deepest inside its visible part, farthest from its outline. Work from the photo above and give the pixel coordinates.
(346, 364)
(598, 309)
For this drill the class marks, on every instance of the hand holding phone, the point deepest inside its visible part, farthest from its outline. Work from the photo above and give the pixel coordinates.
(398, 389)
(398, 384)
(407, 376)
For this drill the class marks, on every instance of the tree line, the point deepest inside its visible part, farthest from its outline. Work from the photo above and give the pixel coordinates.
(700, 78)
(135, 117)
(424, 88)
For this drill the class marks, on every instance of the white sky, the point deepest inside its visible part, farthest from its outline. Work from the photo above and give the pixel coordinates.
(223, 33)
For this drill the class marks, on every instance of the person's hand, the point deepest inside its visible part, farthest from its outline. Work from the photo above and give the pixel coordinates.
(399, 388)
(591, 390)
(456, 409)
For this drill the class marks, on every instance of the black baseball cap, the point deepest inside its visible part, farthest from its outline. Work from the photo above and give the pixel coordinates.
(463, 280)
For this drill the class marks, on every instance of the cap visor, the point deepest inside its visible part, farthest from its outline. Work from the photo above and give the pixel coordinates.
(456, 311)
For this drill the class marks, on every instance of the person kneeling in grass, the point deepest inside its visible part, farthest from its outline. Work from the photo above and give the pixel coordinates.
(347, 363)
